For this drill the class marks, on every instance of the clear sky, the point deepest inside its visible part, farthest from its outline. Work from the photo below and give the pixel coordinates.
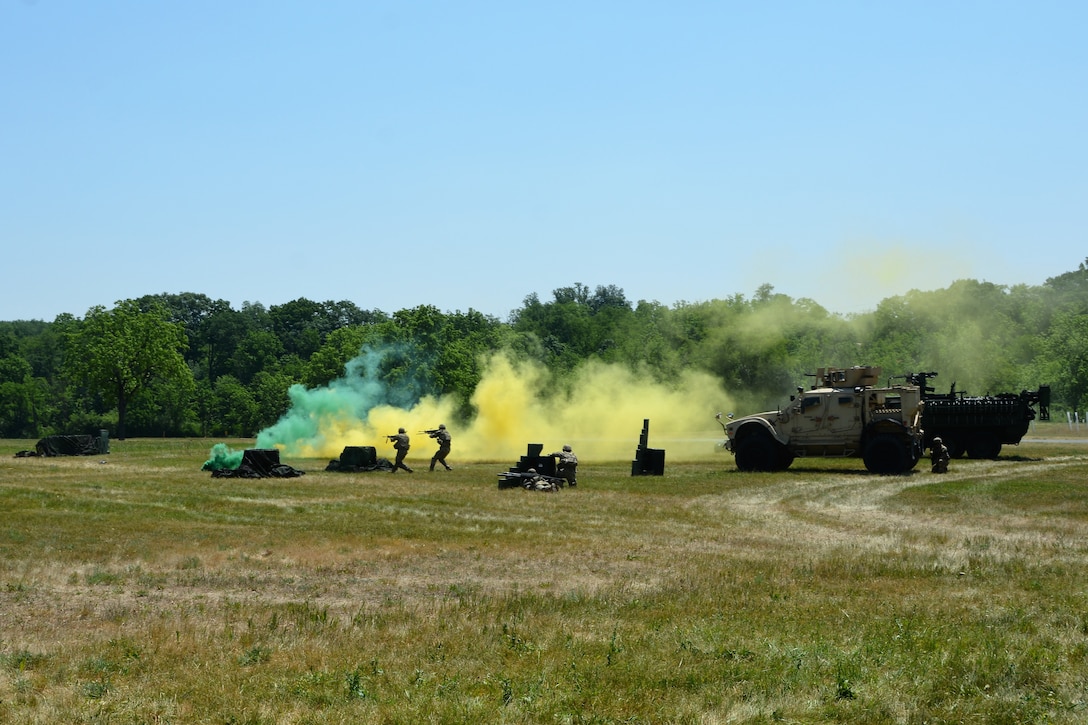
(466, 154)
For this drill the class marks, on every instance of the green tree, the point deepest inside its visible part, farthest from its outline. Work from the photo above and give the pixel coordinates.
(441, 352)
(24, 402)
(235, 412)
(576, 325)
(44, 350)
(258, 350)
(164, 408)
(217, 340)
(467, 338)
(643, 339)
(24, 408)
(302, 325)
(327, 363)
(122, 352)
(1064, 358)
(14, 369)
(1070, 290)
(269, 391)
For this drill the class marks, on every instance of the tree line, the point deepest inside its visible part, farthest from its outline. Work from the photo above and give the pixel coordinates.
(187, 365)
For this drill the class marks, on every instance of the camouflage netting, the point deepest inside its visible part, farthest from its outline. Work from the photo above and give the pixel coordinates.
(256, 463)
(67, 445)
(359, 459)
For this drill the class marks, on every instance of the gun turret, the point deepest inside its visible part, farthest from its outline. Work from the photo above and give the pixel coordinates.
(920, 379)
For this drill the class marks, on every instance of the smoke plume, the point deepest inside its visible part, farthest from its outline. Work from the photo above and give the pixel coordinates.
(599, 412)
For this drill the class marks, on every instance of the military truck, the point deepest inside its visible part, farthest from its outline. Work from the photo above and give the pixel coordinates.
(978, 425)
(845, 414)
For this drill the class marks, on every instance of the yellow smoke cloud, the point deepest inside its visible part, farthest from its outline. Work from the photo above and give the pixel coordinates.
(600, 415)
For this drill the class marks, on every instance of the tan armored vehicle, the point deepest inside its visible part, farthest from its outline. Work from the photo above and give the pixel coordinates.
(843, 415)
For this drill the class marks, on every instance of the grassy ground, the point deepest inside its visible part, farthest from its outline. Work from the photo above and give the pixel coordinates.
(135, 588)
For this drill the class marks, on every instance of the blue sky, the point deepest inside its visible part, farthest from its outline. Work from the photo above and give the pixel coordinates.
(467, 154)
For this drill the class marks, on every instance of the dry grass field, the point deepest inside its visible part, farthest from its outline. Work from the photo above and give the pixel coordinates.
(136, 588)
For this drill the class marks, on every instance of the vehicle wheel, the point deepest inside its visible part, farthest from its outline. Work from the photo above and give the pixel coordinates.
(886, 454)
(757, 453)
(785, 457)
(915, 456)
(984, 445)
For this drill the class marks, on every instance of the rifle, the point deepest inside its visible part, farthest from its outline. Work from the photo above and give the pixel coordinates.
(430, 432)
(518, 479)
(392, 437)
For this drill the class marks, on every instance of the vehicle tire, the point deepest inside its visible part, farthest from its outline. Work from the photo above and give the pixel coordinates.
(887, 454)
(955, 447)
(915, 456)
(983, 445)
(785, 457)
(757, 453)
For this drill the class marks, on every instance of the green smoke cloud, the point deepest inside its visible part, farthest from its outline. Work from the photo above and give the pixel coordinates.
(313, 414)
(223, 458)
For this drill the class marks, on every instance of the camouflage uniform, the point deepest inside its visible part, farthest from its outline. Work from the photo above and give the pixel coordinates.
(400, 443)
(540, 483)
(939, 456)
(443, 437)
(567, 466)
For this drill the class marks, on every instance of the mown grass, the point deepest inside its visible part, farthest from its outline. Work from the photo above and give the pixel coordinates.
(141, 590)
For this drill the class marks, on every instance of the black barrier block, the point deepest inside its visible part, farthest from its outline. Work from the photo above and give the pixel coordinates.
(261, 460)
(649, 462)
(359, 456)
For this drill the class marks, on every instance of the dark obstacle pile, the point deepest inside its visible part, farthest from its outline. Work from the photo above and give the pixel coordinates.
(256, 463)
(69, 445)
(359, 459)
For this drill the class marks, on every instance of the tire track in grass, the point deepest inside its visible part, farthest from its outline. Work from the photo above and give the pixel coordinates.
(822, 512)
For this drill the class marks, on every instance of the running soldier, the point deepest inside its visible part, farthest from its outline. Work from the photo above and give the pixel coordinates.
(443, 437)
(401, 444)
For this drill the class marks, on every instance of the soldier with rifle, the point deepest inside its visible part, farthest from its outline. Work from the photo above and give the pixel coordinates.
(530, 481)
(537, 482)
(443, 437)
(401, 444)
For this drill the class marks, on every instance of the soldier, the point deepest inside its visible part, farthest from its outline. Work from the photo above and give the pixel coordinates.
(939, 456)
(536, 482)
(443, 437)
(401, 444)
(567, 466)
